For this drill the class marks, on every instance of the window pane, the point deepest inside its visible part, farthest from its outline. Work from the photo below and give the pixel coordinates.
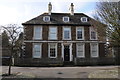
(84, 19)
(93, 34)
(37, 51)
(53, 30)
(37, 32)
(52, 36)
(52, 48)
(37, 54)
(66, 33)
(52, 52)
(46, 18)
(80, 50)
(94, 50)
(66, 19)
(52, 33)
(37, 47)
(79, 33)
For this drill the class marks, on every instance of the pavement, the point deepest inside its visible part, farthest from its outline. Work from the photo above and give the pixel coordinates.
(56, 72)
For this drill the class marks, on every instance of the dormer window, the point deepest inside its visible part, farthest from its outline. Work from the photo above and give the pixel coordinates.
(84, 19)
(46, 18)
(66, 19)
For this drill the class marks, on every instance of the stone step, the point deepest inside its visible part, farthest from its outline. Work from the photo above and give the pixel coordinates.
(68, 64)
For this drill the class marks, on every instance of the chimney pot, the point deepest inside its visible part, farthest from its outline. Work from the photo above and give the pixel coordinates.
(49, 8)
(72, 9)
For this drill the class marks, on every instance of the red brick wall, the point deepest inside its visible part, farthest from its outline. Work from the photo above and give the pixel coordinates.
(28, 50)
(45, 30)
(74, 50)
(28, 35)
(86, 33)
(59, 50)
(59, 32)
(44, 50)
(73, 32)
(101, 50)
(87, 50)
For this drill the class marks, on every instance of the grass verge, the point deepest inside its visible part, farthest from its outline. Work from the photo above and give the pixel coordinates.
(108, 73)
(17, 75)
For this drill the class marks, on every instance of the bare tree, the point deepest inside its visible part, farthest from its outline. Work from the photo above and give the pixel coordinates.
(13, 31)
(109, 14)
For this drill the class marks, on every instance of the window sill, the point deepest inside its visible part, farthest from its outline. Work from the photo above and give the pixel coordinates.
(66, 39)
(95, 57)
(37, 39)
(80, 39)
(93, 39)
(36, 58)
(52, 39)
(80, 57)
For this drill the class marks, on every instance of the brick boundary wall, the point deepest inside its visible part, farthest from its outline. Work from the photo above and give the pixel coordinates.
(59, 62)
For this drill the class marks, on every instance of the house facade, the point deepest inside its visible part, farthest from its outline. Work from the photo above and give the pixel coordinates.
(56, 38)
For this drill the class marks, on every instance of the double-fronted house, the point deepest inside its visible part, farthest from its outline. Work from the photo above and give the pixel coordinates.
(56, 38)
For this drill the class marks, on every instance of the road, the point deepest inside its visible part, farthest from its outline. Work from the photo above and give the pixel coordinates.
(56, 72)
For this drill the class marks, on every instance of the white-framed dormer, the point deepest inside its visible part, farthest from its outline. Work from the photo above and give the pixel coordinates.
(52, 33)
(93, 33)
(46, 18)
(79, 33)
(80, 50)
(65, 19)
(37, 33)
(37, 50)
(84, 19)
(94, 50)
(52, 50)
(66, 33)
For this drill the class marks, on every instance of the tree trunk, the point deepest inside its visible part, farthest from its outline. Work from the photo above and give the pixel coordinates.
(10, 63)
(9, 71)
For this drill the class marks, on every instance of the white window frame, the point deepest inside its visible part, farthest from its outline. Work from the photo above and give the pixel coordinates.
(40, 44)
(67, 19)
(50, 33)
(40, 36)
(49, 50)
(97, 47)
(45, 19)
(83, 56)
(82, 33)
(69, 34)
(92, 29)
(86, 19)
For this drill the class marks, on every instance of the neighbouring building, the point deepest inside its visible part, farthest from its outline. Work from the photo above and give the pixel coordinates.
(61, 38)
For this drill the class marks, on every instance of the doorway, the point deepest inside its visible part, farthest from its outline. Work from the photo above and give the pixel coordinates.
(66, 52)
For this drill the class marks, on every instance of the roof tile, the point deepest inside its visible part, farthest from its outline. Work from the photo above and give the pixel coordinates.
(57, 19)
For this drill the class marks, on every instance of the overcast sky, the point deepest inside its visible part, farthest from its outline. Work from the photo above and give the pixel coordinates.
(19, 11)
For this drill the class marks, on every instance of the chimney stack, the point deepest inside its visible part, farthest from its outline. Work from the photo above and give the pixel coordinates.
(72, 9)
(49, 8)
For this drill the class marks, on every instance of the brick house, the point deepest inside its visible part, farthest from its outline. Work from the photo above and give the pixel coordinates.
(58, 38)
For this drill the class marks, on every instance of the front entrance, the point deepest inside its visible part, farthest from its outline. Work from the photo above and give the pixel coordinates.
(66, 53)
